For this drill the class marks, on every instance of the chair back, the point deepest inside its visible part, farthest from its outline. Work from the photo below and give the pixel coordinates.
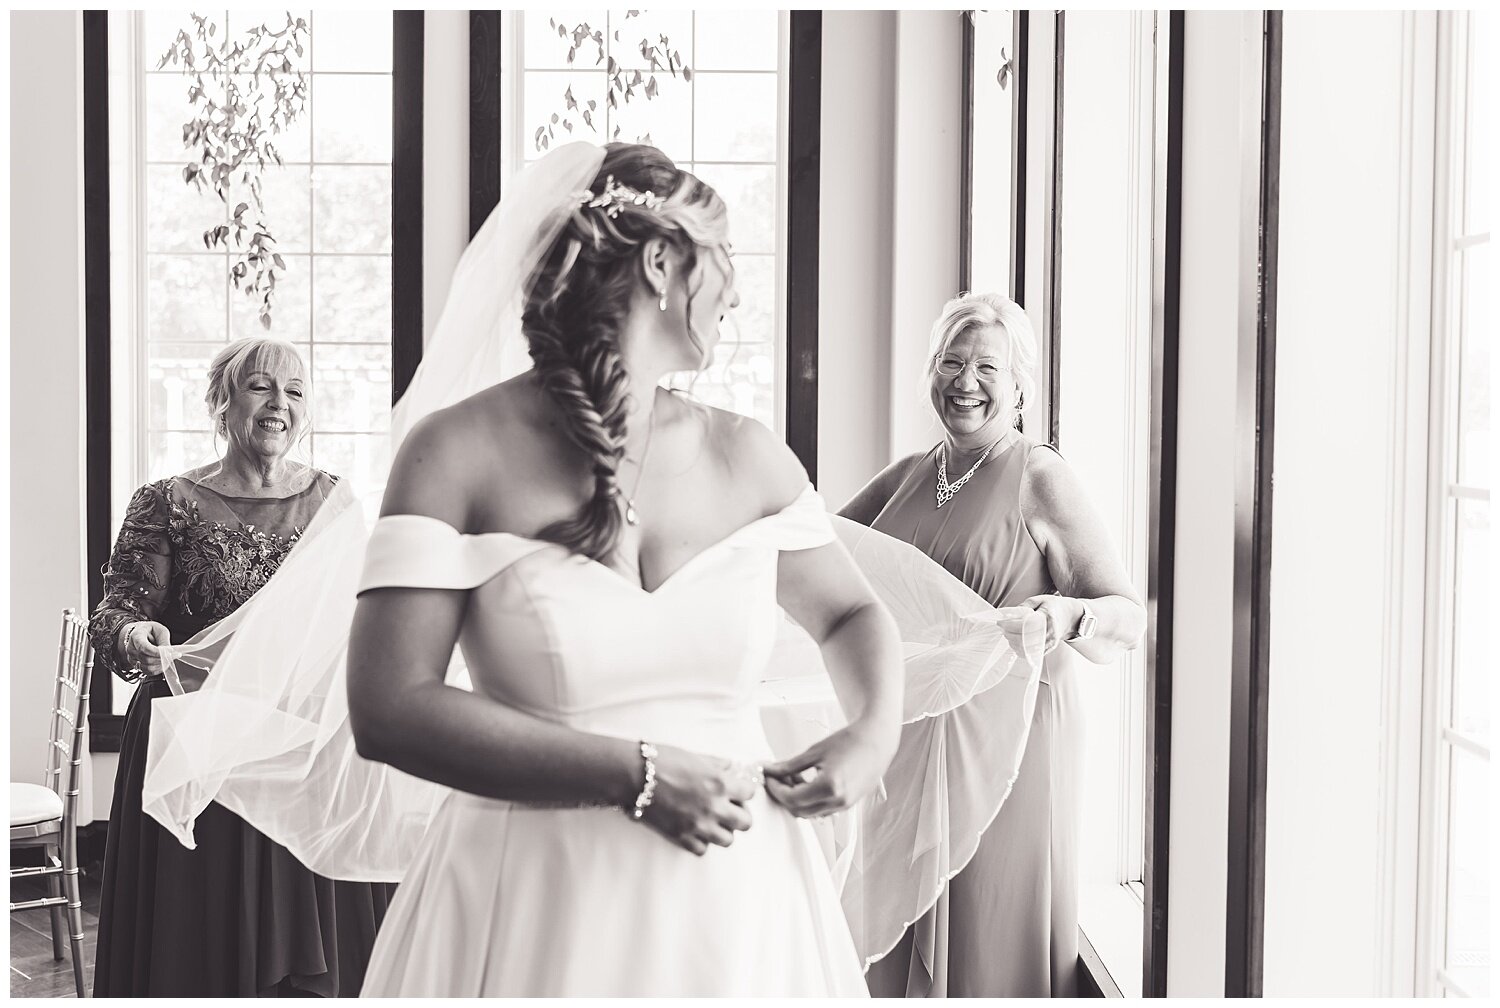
(70, 706)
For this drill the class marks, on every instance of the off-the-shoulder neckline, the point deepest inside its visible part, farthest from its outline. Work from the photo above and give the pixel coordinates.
(807, 492)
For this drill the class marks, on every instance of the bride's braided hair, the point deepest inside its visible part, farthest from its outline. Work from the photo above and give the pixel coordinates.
(577, 302)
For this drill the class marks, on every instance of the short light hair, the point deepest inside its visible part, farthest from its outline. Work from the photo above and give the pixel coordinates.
(983, 311)
(241, 359)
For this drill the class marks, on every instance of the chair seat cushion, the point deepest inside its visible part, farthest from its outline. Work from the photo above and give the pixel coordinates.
(33, 803)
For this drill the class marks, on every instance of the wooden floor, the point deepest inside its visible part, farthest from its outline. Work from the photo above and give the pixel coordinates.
(33, 971)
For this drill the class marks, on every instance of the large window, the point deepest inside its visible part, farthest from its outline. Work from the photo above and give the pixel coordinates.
(327, 206)
(722, 120)
(1456, 943)
(174, 302)
(1104, 402)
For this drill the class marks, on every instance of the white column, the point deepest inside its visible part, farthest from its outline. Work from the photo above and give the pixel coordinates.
(46, 361)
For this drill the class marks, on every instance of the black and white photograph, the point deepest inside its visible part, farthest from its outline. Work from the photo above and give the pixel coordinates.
(750, 503)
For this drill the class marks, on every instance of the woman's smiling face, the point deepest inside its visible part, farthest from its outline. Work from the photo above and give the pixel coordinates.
(267, 412)
(972, 386)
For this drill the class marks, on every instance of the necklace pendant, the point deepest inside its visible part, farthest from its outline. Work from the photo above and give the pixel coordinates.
(631, 518)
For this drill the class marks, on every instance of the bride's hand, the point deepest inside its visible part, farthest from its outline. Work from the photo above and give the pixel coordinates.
(699, 800)
(848, 765)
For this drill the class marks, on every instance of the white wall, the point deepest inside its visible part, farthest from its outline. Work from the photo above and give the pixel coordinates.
(924, 261)
(889, 225)
(854, 289)
(46, 411)
(1340, 356)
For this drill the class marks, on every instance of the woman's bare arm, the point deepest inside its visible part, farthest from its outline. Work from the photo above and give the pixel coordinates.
(403, 714)
(1083, 563)
(865, 506)
(823, 590)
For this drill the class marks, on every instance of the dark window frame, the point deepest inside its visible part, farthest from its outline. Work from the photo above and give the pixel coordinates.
(106, 727)
(1255, 434)
(1162, 513)
(804, 196)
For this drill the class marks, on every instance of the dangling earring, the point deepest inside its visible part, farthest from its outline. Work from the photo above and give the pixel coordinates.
(662, 301)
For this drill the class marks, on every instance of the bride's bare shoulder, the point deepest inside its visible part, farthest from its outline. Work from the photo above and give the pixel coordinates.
(452, 453)
(758, 461)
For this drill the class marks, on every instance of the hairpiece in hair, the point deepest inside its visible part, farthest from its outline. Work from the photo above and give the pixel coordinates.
(616, 197)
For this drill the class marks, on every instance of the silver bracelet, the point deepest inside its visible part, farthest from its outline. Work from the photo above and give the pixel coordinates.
(648, 791)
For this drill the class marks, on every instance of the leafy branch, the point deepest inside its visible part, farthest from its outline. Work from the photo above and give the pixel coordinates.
(243, 95)
(623, 84)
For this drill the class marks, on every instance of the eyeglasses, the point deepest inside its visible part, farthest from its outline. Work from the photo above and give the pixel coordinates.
(984, 367)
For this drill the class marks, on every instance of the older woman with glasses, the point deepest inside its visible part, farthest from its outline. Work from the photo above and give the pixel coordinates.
(1005, 514)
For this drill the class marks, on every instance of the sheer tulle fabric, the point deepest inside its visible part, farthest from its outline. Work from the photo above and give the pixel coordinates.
(971, 686)
(267, 734)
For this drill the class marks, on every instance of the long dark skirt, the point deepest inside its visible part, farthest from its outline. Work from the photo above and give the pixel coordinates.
(238, 916)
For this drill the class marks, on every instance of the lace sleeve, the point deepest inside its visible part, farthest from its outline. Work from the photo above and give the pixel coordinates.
(135, 581)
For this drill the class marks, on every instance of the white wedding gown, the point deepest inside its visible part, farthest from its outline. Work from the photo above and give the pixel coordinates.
(508, 899)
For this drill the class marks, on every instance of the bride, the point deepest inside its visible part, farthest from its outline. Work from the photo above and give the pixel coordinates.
(610, 558)
(577, 796)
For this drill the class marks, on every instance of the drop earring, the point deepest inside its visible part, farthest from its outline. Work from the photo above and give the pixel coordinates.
(662, 301)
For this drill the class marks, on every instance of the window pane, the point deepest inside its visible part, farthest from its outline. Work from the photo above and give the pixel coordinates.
(175, 452)
(737, 40)
(185, 297)
(1479, 138)
(650, 26)
(286, 196)
(665, 122)
(353, 302)
(741, 379)
(547, 94)
(179, 212)
(289, 305)
(734, 117)
(352, 120)
(547, 49)
(241, 21)
(351, 388)
(294, 143)
(1473, 625)
(352, 40)
(1474, 369)
(1467, 957)
(749, 191)
(167, 109)
(177, 383)
(754, 321)
(159, 28)
(351, 209)
(358, 458)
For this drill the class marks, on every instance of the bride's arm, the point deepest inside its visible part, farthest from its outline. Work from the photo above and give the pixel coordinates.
(823, 590)
(403, 714)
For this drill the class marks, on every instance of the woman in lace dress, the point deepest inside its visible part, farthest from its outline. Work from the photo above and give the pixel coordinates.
(1005, 515)
(238, 915)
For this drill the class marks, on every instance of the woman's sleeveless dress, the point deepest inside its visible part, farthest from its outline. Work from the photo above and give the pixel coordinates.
(1007, 925)
(510, 899)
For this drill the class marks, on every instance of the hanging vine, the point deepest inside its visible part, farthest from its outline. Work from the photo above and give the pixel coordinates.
(244, 95)
(622, 84)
